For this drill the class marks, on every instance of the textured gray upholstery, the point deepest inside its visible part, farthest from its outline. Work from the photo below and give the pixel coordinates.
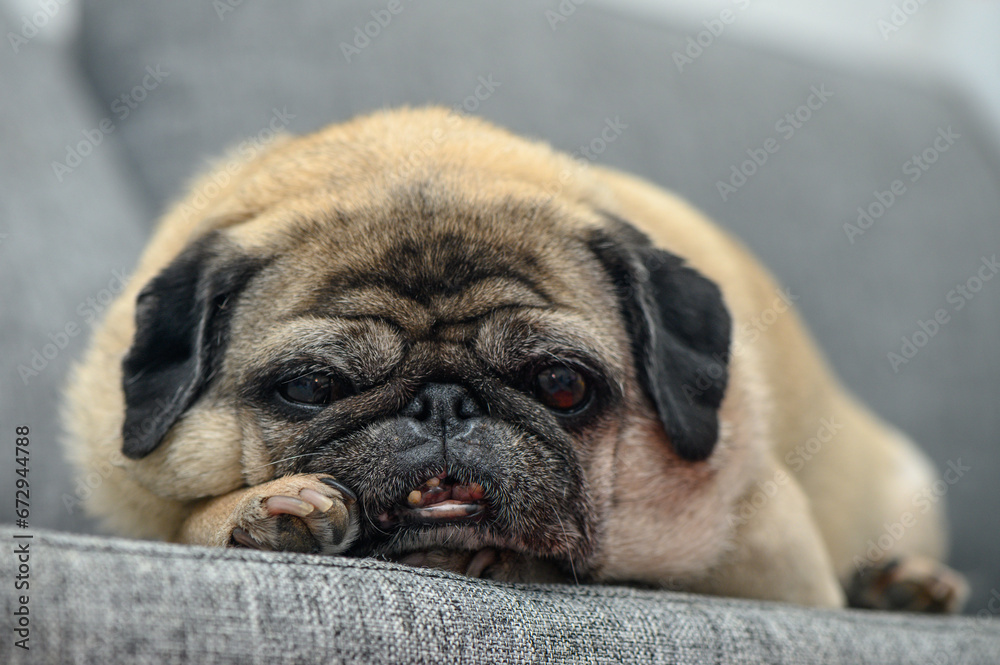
(223, 78)
(156, 604)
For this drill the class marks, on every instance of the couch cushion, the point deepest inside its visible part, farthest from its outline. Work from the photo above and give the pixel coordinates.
(116, 601)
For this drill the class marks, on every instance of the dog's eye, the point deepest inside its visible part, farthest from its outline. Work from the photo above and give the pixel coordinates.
(312, 389)
(561, 388)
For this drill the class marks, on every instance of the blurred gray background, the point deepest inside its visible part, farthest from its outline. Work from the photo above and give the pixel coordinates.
(152, 91)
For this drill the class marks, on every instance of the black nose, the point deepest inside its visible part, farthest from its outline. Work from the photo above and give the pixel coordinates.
(443, 410)
(445, 428)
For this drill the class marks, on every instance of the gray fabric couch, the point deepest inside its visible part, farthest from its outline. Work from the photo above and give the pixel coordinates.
(151, 91)
(109, 600)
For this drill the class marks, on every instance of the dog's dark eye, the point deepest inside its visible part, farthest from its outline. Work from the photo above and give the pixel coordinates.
(312, 389)
(561, 388)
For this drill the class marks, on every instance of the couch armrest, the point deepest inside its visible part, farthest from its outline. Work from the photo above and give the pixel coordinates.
(107, 600)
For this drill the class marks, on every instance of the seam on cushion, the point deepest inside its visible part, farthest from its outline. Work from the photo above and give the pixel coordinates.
(348, 563)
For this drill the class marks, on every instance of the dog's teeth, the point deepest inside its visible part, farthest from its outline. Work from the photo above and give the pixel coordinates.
(434, 482)
(470, 492)
(414, 498)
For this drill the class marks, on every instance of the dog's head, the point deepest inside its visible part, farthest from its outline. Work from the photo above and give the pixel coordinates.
(458, 337)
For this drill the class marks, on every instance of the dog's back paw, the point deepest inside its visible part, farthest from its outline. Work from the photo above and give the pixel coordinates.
(908, 584)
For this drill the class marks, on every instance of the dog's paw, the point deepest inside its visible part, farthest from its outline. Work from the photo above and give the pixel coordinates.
(302, 513)
(909, 584)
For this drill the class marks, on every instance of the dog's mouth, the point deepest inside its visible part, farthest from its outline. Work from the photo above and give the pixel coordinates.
(438, 500)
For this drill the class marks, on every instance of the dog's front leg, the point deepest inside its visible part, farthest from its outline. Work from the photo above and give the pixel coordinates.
(300, 513)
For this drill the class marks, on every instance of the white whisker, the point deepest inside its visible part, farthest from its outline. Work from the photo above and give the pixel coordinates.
(285, 459)
(572, 566)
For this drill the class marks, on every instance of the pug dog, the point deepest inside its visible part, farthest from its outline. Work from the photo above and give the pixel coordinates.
(418, 337)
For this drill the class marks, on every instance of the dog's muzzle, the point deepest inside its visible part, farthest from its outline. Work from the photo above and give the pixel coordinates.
(443, 428)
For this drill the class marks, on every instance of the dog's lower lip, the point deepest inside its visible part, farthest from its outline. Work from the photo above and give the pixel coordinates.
(445, 511)
(441, 513)
(439, 500)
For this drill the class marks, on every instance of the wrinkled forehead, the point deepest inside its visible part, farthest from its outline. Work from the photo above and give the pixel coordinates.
(422, 261)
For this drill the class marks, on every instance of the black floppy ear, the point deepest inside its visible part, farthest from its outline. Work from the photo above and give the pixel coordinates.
(680, 332)
(181, 326)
